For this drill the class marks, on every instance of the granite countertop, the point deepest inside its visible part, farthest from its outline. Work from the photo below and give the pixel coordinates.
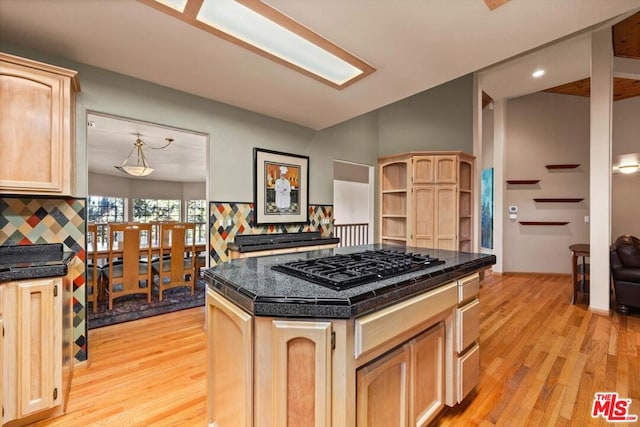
(33, 261)
(251, 284)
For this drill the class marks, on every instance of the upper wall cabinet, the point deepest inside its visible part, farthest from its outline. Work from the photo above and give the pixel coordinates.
(37, 127)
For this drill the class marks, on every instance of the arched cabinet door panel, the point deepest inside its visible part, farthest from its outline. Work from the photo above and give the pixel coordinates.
(37, 127)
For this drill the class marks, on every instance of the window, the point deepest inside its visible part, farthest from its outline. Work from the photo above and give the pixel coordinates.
(102, 210)
(197, 213)
(150, 210)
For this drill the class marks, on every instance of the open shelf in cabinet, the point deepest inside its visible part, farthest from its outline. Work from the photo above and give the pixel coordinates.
(394, 177)
(563, 166)
(394, 227)
(543, 222)
(465, 178)
(522, 181)
(465, 245)
(394, 203)
(388, 240)
(558, 200)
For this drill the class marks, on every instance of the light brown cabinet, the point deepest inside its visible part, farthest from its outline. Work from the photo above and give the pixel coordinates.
(230, 363)
(37, 127)
(32, 365)
(467, 335)
(426, 200)
(301, 373)
(405, 387)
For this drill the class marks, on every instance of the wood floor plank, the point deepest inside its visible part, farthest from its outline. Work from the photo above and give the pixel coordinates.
(542, 360)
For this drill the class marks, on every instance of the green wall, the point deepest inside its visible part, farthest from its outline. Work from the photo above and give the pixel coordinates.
(438, 119)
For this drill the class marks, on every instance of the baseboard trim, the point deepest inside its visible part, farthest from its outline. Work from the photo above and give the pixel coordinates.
(534, 273)
(600, 312)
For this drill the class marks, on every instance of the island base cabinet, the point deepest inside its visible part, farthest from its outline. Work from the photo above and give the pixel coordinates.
(230, 364)
(293, 374)
(404, 387)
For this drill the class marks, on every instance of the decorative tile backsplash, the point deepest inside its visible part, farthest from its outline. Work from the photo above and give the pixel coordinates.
(231, 218)
(28, 221)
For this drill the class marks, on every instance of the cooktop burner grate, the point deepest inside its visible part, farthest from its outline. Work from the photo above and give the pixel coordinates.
(349, 270)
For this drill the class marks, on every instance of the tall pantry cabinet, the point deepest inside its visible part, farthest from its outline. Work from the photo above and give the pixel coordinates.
(426, 200)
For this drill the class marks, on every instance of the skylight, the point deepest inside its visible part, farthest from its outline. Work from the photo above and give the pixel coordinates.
(258, 27)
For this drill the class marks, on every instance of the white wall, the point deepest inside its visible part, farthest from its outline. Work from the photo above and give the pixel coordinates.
(542, 129)
(351, 202)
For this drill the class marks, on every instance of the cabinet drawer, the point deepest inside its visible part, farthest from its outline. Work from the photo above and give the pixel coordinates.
(468, 287)
(468, 372)
(467, 325)
(382, 326)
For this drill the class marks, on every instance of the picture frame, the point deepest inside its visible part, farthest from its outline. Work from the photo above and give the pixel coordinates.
(281, 187)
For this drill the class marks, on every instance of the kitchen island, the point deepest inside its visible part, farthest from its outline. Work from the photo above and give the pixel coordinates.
(287, 351)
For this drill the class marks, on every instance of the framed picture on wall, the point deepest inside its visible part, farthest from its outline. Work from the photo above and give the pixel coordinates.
(281, 187)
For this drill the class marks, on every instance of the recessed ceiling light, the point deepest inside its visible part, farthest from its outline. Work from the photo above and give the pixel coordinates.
(538, 73)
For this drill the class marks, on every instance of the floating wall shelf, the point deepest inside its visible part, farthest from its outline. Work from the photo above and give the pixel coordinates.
(558, 200)
(523, 181)
(543, 222)
(567, 166)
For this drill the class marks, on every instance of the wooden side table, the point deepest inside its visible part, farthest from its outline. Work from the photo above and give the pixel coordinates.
(580, 274)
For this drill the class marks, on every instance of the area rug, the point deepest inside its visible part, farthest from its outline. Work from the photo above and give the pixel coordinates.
(133, 307)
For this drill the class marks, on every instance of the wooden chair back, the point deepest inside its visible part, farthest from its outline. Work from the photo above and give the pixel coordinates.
(125, 246)
(177, 240)
(93, 272)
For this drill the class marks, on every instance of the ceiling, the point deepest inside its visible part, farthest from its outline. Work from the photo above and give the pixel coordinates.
(109, 140)
(413, 44)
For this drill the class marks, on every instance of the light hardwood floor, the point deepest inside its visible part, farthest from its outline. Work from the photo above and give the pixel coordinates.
(542, 359)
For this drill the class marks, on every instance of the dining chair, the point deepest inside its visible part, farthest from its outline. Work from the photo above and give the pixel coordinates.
(128, 264)
(177, 257)
(94, 271)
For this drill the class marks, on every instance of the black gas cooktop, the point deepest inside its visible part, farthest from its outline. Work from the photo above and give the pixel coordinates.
(346, 271)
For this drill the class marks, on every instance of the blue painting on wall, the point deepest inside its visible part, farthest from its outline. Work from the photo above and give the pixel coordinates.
(486, 212)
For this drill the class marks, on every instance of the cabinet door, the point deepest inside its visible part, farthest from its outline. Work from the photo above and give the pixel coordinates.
(39, 345)
(424, 215)
(467, 325)
(382, 389)
(301, 373)
(446, 213)
(468, 367)
(427, 376)
(230, 359)
(36, 129)
(446, 169)
(424, 170)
